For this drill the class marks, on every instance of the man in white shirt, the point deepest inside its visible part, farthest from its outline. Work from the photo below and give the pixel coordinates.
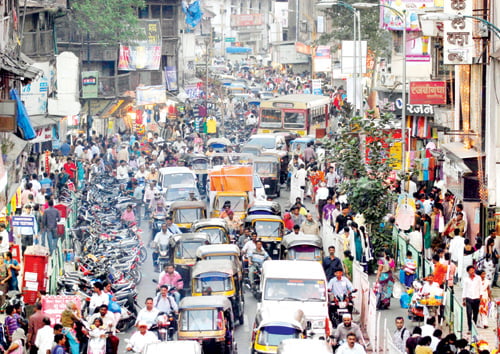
(164, 302)
(44, 337)
(250, 246)
(351, 346)
(428, 328)
(141, 338)
(322, 195)
(162, 238)
(179, 145)
(98, 298)
(471, 285)
(148, 314)
(122, 172)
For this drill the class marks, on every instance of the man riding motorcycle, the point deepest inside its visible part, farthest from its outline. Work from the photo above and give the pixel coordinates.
(173, 279)
(161, 241)
(340, 289)
(255, 260)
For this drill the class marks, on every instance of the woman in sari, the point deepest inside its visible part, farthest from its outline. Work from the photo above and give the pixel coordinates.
(384, 280)
(484, 300)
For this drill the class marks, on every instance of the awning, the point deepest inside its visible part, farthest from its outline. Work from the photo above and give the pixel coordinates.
(20, 67)
(460, 152)
(41, 121)
(110, 110)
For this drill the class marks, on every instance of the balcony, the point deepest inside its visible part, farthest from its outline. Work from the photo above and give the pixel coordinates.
(109, 87)
(38, 44)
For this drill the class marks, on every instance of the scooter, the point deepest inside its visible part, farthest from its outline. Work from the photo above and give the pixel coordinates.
(340, 306)
(165, 326)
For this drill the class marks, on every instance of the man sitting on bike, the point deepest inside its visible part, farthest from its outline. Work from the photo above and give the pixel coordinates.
(340, 289)
(255, 259)
(173, 279)
(162, 238)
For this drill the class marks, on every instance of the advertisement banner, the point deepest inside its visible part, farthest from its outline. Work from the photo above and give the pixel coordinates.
(458, 45)
(316, 87)
(322, 59)
(35, 94)
(417, 47)
(302, 48)
(144, 54)
(391, 20)
(246, 20)
(171, 78)
(428, 92)
(150, 95)
(90, 84)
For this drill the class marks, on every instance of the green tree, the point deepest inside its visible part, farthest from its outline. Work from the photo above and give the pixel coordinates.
(379, 40)
(360, 150)
(107, 21)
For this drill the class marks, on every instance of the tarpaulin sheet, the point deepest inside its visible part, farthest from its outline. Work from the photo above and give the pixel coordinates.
(232, 179)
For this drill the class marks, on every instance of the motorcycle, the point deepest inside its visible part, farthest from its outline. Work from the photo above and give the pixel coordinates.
(340, 306)
(165, 326)
(163, 255)
(255, 287)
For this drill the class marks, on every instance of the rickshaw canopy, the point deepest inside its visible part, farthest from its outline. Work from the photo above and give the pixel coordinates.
(205, 266)
(293, 240)
(211, 301)
(218, 249)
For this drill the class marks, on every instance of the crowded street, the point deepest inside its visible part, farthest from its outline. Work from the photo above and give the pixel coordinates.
(249, 176)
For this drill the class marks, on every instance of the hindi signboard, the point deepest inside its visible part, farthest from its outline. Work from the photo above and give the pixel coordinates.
(428, 92)
(90, 84)
(458, 45)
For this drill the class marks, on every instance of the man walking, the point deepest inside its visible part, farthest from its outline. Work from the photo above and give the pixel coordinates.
(471, 285)
(400, 335)
(50, 218)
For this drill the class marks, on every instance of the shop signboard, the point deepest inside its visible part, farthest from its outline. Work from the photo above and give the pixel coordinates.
(302, 48)
(147, 95)
(246, 20)
(22, 221)
(90, 84)
(428, 92)
(316, 87)
(322, 59)
(458, 45)
(144, 54)
(287, 54)
(35, 94)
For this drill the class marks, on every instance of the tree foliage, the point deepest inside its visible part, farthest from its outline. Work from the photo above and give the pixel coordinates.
(379, 40)
(107, 21)
(360, 150)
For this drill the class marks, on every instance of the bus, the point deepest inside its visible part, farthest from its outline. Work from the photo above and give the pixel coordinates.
(299, 113)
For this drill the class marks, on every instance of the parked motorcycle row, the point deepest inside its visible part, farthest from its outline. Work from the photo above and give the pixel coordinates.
(105, 250)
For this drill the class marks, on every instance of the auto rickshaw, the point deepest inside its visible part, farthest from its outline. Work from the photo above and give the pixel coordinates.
(223, 251)
(220, 277)
(184, 247)
(216, 228)
(269, 229)
(297, 146)
(238, 201)
(268, 169)
(209, 321)
(200, 164)
(302, 247)
(265, 207)
(185, 212)
(272, 325)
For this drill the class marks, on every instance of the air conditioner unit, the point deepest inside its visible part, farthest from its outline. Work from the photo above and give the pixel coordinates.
(387, 80)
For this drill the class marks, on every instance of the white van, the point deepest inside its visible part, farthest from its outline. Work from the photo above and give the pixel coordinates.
(301, 284)
(176, 175)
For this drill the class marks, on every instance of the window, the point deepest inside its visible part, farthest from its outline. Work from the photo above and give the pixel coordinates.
(155, 11)
(168, 11)
(295, 120)
(271, 118)
(215, 235)
(199, 320)
(267, 228)
(186, 216)
(144, 12)
(295, 289)
(218, 282)
(274, 335)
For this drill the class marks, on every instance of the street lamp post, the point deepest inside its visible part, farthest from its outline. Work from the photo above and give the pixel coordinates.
(402, 16)
(357, 42)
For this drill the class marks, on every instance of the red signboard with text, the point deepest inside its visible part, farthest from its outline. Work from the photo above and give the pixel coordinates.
(54, 305)
(246, 20)
(427, 92)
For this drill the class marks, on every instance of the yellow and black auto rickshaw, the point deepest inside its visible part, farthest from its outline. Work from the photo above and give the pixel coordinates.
(220, 277)
(269, 229)
(268, 168)
(272, 325)
(220, 251)
(208, 320)
(185, 212)
(216, 228)
(184, 247)
(302, 247)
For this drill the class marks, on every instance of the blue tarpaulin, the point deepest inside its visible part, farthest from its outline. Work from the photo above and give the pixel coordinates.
(193, 13)
(238, 50)
(24, 128)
